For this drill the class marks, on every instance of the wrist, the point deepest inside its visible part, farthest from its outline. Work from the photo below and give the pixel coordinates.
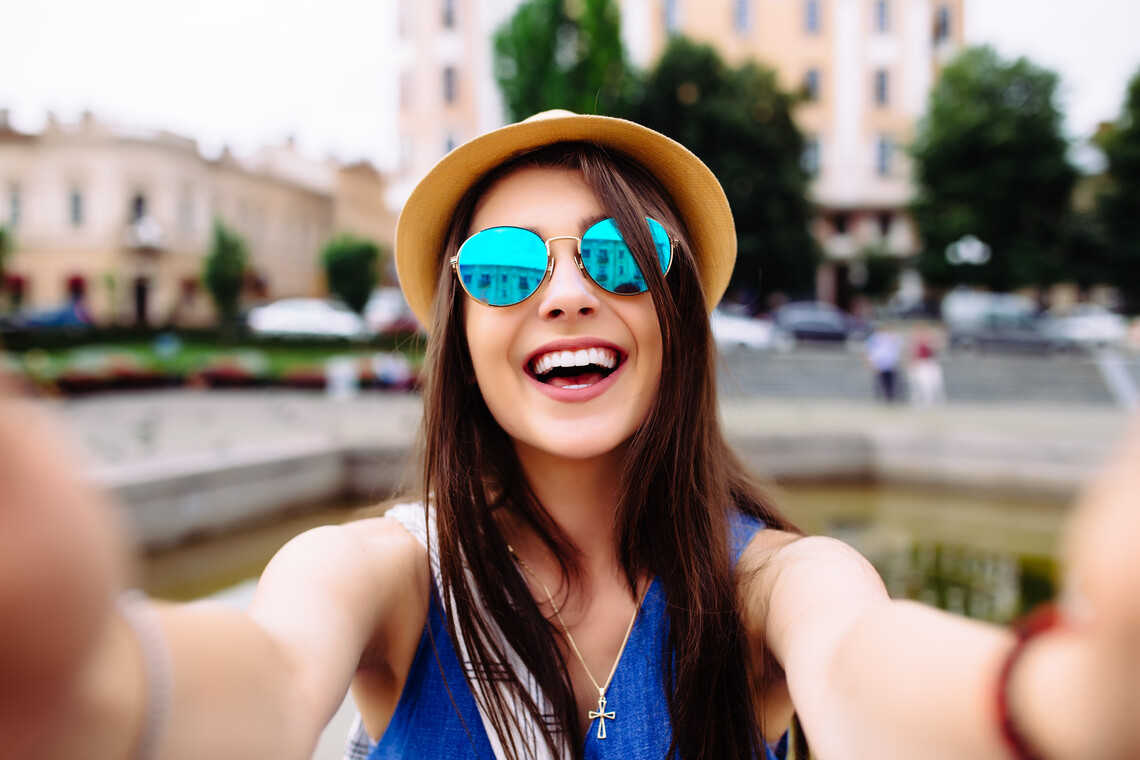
(1059, 694)
(154, 656)
(1011, 712)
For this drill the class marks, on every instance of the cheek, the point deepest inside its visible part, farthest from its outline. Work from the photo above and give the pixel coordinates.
(488, 344)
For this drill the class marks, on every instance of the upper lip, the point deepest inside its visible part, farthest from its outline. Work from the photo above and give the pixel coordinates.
(573, 344)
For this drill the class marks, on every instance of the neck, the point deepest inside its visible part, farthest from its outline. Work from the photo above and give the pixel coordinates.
(580, 495)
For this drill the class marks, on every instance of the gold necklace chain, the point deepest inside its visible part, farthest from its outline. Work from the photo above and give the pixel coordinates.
(600, 714)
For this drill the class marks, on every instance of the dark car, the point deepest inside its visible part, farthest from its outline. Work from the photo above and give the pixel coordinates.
(819, 321)
(999, 322)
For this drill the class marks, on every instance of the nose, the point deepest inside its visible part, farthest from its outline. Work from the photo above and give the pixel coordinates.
(567, 293)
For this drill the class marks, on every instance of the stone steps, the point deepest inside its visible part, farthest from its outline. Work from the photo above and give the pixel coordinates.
(841, 374)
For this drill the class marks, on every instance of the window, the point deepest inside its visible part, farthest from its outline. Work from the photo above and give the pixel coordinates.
(811, 85)
(14, 205)
(449, 143)
(811, 17)
(740, 16)
(186, 211)
(882, 87)
(406, 90)
(883, 151)
(840, 222)
(672, 16)
(138, 207)
(404, 18)
(886, 220)
(406, 152)
(882, 16)
(811, 155)
(75, 207)
(448, 14)
(942, 24)
(76, 287)
(449, 87)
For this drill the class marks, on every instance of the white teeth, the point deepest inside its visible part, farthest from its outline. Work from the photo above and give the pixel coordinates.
(583, 357)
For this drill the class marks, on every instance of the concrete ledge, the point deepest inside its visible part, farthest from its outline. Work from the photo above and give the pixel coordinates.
(169, 502)
(814, 456)
(987, 463)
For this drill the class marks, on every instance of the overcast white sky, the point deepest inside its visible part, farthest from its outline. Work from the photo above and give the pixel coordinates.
(252, 72)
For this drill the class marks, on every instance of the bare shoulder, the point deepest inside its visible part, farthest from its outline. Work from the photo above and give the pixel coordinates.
(774, 551)
(364, 577)
(793, 586)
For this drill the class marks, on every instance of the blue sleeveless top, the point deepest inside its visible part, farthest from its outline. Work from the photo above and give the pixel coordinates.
(437, 716)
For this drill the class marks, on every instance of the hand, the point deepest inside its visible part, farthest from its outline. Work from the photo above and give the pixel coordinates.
(62, 559)
(1101, 594)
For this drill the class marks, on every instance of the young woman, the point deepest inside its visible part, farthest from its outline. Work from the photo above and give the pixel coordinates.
(588, 570)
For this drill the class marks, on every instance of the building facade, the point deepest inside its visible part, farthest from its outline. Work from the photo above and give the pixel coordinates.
(865, 68)
(124, 218)
(447, 91)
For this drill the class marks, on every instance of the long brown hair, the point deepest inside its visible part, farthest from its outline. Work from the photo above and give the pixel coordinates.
(679, 483)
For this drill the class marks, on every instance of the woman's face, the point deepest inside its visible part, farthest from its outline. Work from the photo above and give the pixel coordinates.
(612, 342)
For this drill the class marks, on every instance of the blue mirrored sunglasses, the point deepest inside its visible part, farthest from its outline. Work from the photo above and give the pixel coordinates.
(502, 266)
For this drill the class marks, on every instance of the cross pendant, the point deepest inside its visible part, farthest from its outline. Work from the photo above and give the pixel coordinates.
(602, 716)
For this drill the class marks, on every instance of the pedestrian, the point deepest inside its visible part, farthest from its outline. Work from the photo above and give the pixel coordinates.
(883, 352)
(587, 570)
(926, 383)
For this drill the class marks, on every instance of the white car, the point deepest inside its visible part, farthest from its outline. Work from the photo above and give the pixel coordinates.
(306, 316)
(731, 331)
(1087, 324)
(387, 312)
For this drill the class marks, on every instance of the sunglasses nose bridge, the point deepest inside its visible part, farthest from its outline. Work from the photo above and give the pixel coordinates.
(550, 251)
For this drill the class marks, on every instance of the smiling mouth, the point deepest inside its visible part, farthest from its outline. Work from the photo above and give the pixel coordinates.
(573, 370)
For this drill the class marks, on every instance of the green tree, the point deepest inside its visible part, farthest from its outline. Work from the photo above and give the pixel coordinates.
(225, 269)
(351, 265)
(1119, 204)
(561, 54)
(739, 122)
(990, 160)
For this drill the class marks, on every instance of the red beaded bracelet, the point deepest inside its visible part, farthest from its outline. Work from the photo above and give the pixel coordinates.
(1042, 619)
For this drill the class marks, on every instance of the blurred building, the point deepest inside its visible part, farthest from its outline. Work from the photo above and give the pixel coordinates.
(865, 67)
(124, 218)
(447, 93)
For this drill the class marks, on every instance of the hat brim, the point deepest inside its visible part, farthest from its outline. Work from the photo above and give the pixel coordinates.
(423, 222)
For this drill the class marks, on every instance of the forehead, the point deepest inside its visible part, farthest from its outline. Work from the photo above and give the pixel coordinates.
(537, 198)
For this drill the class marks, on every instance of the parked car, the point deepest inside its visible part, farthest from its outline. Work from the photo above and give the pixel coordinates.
(732, 331)
(979, 321)
(820, 321)
(306, 316)
(70, 316)
(1086, 324)
(388, 312)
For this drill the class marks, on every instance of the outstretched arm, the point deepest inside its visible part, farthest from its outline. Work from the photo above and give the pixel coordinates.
(260, 683)
(876, 678)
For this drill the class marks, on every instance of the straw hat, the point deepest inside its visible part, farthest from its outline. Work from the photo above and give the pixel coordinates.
(423, 223)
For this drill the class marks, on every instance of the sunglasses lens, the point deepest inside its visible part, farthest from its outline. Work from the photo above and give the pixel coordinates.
(502, 266)
(609, 261)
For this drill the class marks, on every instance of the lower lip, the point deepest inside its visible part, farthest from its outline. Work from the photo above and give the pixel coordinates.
(586, 393)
